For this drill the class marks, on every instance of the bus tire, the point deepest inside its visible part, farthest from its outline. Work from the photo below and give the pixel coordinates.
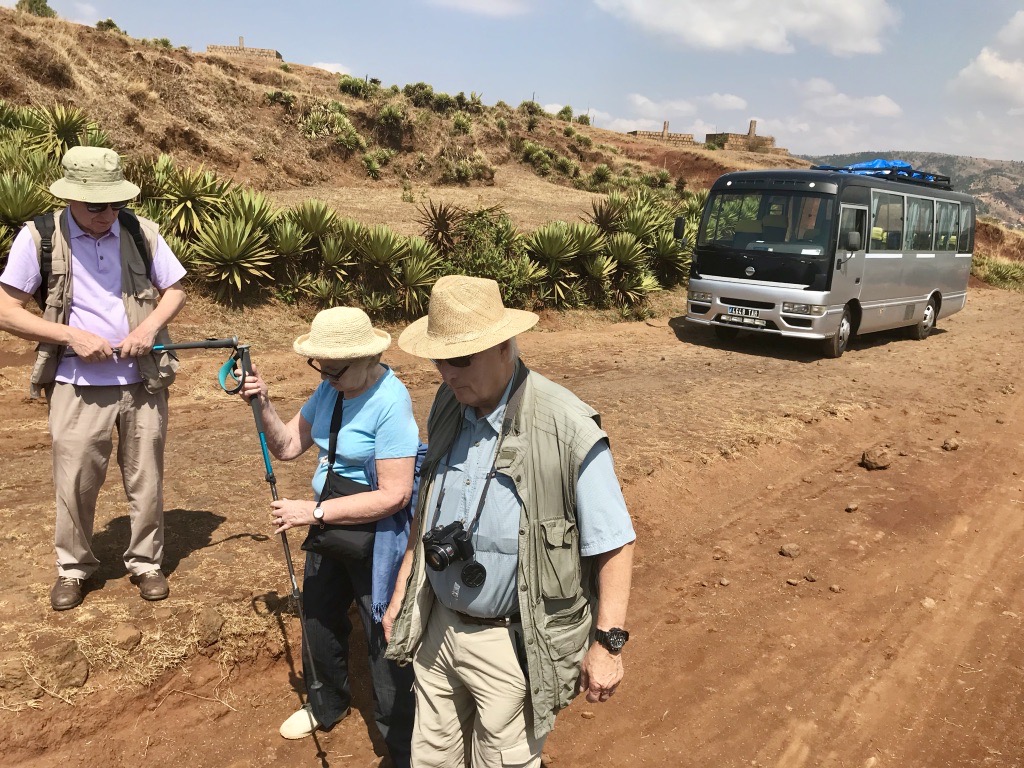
(921, 330)
(722, 333)
(835, 346)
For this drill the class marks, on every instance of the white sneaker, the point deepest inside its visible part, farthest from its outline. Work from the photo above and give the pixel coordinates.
(300, 725)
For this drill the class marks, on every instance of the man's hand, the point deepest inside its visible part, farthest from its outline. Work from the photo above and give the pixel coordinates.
(90, 347)
(137, 343)
(600, 673)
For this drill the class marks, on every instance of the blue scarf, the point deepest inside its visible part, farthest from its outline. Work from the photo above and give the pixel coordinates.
(390, 540)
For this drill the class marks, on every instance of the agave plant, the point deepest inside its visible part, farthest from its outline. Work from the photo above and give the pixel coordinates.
(669, 259)
(693, 204)
(380, 255)
(440, 224)
(553, 247)
(378, 304)
(587, 238)
(182, 248)
(417, 273)
(606, 213)
(253, 206)
(57, 128)
(596, 273)
(632, 290)
(193, 197)
(315, 218)
(326, 291)
(288, 239)
(20, 200)
(150, 175)
(643, 218)
(628, 253)
(233, 256)
(336, 259)
(17, 156)
(352, 234)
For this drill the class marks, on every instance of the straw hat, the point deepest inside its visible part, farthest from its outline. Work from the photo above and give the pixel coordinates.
(93, 175)
(342, 333)
(465, 316)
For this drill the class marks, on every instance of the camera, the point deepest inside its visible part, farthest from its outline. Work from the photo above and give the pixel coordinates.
(443, 545)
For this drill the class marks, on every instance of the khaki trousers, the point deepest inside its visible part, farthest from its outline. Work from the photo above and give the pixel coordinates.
(82, 420)
(472, 707)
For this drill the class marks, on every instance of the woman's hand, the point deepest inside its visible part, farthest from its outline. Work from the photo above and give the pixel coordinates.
(291, 513)
(254, 386)
(389, 618)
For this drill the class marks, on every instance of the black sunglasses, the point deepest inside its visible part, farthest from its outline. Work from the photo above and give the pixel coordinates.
(456, 362)
(323, 372)
(101, 207)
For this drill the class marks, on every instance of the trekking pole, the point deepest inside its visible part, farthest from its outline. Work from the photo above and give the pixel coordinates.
(241, 356)
(231, 343)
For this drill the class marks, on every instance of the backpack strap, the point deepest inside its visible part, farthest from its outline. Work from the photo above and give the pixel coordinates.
(45, 226)
(130, 222)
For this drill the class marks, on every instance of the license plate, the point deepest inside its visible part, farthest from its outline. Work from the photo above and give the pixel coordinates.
(744, 312)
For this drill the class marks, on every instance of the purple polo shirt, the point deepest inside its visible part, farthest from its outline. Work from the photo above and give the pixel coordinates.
(96, 304)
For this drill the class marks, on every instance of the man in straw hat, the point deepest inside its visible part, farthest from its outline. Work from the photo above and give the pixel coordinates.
(100, 293)
(360, 420)
(522, 528)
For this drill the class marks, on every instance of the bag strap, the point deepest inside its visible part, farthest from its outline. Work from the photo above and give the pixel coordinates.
(332, 450)
(130, 222)
(45, 226)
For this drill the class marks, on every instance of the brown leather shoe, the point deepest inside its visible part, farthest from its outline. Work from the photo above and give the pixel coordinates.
(152, 585)
(67, 593)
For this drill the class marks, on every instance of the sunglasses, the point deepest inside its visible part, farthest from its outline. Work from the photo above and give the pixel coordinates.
(101, 207)
(333, 376)
(456, 362)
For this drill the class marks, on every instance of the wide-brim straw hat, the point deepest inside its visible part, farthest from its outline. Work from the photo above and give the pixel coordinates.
(342, 333)
(93, 175)
(465, 316)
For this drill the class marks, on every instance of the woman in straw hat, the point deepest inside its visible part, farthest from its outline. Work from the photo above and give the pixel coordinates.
(377, 436)
(520, 515)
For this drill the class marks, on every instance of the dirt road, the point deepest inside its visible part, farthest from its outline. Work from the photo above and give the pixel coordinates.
(891, 638)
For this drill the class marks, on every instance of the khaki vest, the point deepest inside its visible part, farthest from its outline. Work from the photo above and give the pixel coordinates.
(551, 436)
(139, 295)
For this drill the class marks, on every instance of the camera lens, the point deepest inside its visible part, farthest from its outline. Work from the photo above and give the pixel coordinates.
(438, 557)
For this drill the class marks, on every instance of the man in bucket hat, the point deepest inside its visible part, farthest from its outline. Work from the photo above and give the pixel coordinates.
(100, 292)
(521, 529)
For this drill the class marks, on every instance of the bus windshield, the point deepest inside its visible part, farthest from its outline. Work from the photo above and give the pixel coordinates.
(783, 223)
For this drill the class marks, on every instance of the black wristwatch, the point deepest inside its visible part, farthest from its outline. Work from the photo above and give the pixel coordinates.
(612, 640)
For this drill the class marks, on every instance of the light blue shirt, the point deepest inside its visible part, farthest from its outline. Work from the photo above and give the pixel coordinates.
(378, 423)
(601, 515)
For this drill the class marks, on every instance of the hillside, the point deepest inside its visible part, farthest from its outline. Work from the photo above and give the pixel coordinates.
(997, 185)
(246, 121)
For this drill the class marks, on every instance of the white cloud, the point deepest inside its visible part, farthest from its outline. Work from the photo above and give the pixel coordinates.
(84, 13)
(332, 66)
(725, 101)
(661, 110)
(821, 97)
(991, 79)
(1011, 36)
(841, 27)
(496, 8)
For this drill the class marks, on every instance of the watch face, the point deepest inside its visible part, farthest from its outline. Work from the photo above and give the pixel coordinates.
(318, 514)
(616, 639)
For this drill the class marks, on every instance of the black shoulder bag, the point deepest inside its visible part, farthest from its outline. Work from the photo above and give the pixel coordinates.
(340, 542)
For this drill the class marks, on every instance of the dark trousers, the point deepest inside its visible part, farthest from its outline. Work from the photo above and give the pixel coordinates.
(329, 589)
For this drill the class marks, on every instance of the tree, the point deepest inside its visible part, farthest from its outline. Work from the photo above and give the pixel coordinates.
(36, 8)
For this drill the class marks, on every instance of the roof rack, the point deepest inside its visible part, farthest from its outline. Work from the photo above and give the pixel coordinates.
(893, 170)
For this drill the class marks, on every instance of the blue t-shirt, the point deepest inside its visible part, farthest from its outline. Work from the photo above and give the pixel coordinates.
(378, 423)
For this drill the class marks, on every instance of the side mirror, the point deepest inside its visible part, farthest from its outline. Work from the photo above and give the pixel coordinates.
(852, 241)
(679, 230)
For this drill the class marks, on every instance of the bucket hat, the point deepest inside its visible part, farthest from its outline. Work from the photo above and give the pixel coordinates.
(93, 175)
(342, 333)
(465, 316)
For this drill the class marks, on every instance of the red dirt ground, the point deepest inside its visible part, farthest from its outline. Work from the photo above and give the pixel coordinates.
(897, 644)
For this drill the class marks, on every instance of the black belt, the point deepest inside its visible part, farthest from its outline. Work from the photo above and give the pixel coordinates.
(487, 621)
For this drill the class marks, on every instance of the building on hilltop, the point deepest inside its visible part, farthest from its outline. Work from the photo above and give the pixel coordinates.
(264, 54)
(742, 142)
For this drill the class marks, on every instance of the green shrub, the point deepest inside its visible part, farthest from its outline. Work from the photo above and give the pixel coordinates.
(285, 98)
(531, 123)
(420, 94)
(461, 123)
(584, 141)
(442, 103)
(565, 113)
(583, 119)
(286, 67)
(567, 166)
(531, 108)
(502, 126)
(569, 131)
(391, 121)
(601, 174)
(108, 25)
(354, 86)
(36, 8)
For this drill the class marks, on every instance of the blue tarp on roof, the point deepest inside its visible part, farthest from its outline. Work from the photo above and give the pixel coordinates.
(898, 170)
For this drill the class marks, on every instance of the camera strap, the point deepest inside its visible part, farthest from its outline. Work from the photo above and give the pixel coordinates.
(511, 409)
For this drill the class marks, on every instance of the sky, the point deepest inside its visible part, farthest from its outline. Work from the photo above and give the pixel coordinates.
(821, 76)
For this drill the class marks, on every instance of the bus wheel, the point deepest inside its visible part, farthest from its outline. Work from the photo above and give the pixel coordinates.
(923, 328)
(835, 346)
(722, 333)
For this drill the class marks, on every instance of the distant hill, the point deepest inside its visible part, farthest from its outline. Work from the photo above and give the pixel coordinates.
(997, 185)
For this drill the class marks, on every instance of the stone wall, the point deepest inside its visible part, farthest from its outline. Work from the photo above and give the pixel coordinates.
(678, 139)
(265, 54)
(741, 142)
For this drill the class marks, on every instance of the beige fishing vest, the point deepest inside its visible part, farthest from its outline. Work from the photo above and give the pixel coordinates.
(139, 295)
(551, 436)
